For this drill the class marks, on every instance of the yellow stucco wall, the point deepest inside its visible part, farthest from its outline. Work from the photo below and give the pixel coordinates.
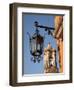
(59, 40)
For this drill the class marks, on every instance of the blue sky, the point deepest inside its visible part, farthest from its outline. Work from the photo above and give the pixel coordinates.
(28, 26)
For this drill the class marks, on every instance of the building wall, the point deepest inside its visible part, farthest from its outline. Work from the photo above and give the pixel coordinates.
(58, 26)
(58, 34)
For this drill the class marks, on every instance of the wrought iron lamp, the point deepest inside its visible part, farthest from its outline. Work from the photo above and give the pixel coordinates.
(37, 42)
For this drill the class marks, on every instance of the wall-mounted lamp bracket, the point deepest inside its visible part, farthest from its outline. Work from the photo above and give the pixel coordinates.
(45, 27)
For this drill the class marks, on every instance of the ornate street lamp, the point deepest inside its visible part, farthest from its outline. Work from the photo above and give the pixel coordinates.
(37, 42)
(36, 46)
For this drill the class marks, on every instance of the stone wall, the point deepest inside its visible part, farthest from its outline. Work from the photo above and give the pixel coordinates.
(58, 34)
